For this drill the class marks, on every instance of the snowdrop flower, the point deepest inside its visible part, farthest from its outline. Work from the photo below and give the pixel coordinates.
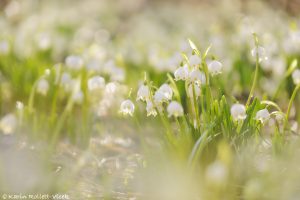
(42, 86)
(175, 109)
(260, 51)
(19, 105)
(166, 90)
(197, 76)
(190, 91)
(262, 115)
(194, 60)
(150, 108)
(215, 67)
(8, 124)
(96, 82)
(181, 73)
(111, 88)
(127, 107)
(4, 47)
(78, 97)
(159, 97)
(238, 112)
(74, 62)
(143, 93)
(296, 76)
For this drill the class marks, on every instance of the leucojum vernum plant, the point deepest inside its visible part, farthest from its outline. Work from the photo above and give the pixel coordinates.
(199, 117)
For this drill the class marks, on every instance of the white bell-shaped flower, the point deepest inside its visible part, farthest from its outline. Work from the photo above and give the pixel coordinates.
(143, 93)
(296, 77)
(175, 109)
(215, 67)
(262, 115)
(194, 60)
(42, 87)
(238, 112)
(74, 62)
(197, 76)
(8, 124)
(167, 91)
(260, 52)
(127, 107)
(96, 82)
(196, 88)
(181, 73)
(150, 108)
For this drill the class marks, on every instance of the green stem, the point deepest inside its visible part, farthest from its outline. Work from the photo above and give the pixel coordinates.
(256, 71)
(291, 101)
(254, 82)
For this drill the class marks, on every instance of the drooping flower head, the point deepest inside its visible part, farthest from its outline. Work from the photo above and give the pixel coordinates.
(175, 109)
(262, 115)
(127, 107)
(74, 62)
(96, 82)
(197, 76)
(143, 93)
(181, 73)
(296, 77)
(42, 87)
(260, 52)
(150, 108)
(238, 112)
(166, 91)
(194, 60)
(215, 67)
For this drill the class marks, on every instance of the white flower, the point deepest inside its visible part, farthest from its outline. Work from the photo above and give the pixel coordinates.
(260, 51)
(78, 97)
(175, 109)
(127, 107)
(216, 173)
(262, 115)
(19, 105)
(96, 82)
(181, 73)
(194, 60)
(296, 76)
(117, 74)
(42, 86)
(8, 124)
(167, 91)
(150, 108)
(143, 93)
(159, 97)
(197, 76)
(215, 67)
(4, 47)
(111, 88)
(74, 62)
(238, 112)
(190, 91)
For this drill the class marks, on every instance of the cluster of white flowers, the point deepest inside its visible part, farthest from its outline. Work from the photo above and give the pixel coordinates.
(154, 104)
